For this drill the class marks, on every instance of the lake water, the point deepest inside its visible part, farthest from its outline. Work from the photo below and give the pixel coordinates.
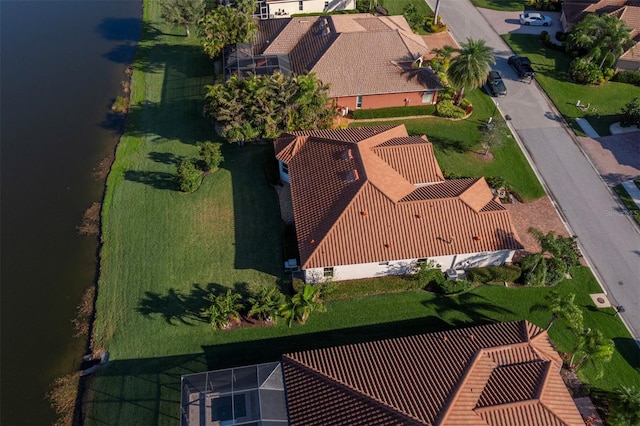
(61, 65)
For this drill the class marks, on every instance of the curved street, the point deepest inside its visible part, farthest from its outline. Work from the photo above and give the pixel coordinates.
(610, 241)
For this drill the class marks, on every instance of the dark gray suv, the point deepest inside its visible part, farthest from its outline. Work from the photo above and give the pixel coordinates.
(495, 84)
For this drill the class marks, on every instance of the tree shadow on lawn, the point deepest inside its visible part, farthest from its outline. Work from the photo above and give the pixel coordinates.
(176, 307)
(168, 158)
(629, 350)
(158, 180)
(471, 305)
(448, 144)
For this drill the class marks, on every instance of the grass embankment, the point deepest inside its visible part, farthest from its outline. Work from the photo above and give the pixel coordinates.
(552, 73)
(458, 149)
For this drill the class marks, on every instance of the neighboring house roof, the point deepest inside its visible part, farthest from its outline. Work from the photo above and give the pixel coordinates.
(504, 374)
(357, 54)
(376, 194)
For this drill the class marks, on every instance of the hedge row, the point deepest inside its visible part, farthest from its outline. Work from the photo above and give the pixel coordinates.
(509, 273)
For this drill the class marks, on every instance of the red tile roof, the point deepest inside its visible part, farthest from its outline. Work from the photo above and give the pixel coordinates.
(359, 197)
(499, 374)
(319, 44)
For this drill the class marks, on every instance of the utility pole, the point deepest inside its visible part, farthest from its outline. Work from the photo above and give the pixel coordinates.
(435, 18)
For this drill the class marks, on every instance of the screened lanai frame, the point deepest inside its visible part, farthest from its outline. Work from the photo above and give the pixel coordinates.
(239, 60)
(252, 396)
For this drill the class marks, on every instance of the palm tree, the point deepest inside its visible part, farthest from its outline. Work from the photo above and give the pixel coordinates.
(470, 68)
(601, 37)
(625, 410)
(592, 348)
(443, 55)
(265, 303)
(302, 304)
(564, 307)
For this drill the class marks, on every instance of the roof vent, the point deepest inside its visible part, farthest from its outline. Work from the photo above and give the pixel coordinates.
(347, 155)
(387, 245)
(418, 216)
(364, 213)
(477, 238)
(352, 175)
(312, 241)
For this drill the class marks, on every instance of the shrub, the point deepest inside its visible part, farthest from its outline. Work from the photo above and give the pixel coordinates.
(446, 108)
(452, 287)
(497, 182)
(561, 36)
(631, 113)
(628, 77)
(509, 273)
(188, 176)
(211, 155)
(545, 37)
(584, 72)
(608, 73)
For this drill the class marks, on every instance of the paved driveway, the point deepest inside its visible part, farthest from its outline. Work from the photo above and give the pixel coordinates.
(616, 157)
(509, 22)
(611, 243)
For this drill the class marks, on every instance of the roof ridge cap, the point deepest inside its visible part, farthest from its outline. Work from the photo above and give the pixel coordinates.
(525, 402)
(350, 389)
(545, 380)
(453, 396)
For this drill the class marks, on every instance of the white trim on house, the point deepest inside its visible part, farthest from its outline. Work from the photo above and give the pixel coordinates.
(408, 266)
(286, 8)
(283, 169)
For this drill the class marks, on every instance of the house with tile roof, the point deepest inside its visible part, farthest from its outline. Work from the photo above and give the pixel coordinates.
(269, 9)
(368, 61)
(504, 374)
(573, 11)
(373, 201)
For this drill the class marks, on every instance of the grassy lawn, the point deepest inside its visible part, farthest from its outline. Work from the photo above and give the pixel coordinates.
(162, 247)
(628, 201)
(149, 389)
(552, 67)
(508, 5)
(457, 147)
(395, 7)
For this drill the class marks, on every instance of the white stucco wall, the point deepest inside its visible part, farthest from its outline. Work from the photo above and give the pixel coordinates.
(284, 9)
(402, 267)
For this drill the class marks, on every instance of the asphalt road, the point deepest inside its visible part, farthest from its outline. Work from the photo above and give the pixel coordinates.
(608, 238)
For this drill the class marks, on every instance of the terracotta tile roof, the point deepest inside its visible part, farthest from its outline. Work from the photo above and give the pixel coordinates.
(499, 374)
(339, 47)
(355, 200)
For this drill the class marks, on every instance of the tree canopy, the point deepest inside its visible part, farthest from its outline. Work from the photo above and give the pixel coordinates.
(183, 13)
(599, 38)
(225, 25)
(471, 67)
(268, 105)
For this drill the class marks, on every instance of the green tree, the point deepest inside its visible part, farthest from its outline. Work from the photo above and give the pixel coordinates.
(265, 106)
(592, 349)
(211, 155)
(471, 67)
(183, 13)
(563, 248)
(534, 267)
(494, 136)
(223, 309)
(625, 409)
(631, 113)
(443, 56)
(302, 304)
(225, 25)
(188, 176)
(599, 38)
(265, 303)
(564, 307)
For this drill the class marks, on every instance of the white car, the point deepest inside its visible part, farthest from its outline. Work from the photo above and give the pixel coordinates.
(535, 18)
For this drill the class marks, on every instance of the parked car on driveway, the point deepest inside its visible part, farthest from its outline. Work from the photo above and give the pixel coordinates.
(522, 65)
(495, 84)
(535, 18)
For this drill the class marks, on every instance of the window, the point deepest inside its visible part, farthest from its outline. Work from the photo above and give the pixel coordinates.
(300, 6)
(383, 263)
(326, 5)
(359, 101)
(427, 98)
(285, 168)
(328, 272)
